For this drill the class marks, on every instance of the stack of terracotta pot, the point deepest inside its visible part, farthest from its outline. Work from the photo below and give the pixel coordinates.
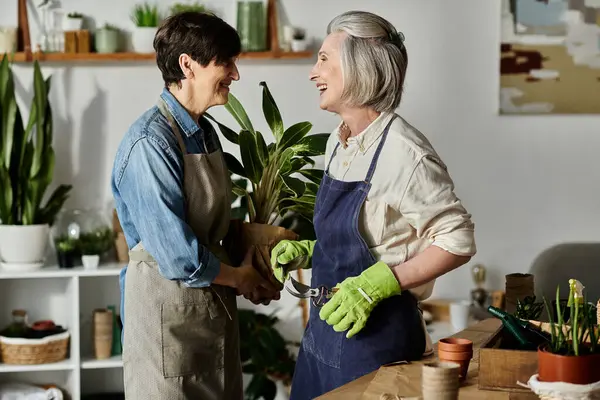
(456, 350)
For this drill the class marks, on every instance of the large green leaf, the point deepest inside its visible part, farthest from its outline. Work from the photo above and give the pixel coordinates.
(294, 185)
(250, 157)
(227, 132)
(314, 175)
(6, 197)
(54, 204)
(294, 134)
(262, 149)
(234, 166)
(298, 163)
(285, 161)
(40, 101)
(238, 112)
(9, 121)
(271, 112)
(313, 145)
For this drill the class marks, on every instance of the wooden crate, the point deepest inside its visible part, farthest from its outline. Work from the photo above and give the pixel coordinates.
(500, 367)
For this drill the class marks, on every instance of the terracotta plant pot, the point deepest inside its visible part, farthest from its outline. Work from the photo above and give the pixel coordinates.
(262, 237)
(458, 351)
(579, 370)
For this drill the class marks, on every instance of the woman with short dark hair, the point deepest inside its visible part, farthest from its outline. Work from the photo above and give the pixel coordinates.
(172, 193)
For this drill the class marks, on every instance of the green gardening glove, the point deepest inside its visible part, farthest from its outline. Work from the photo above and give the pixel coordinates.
(290, 255)
(357, 296)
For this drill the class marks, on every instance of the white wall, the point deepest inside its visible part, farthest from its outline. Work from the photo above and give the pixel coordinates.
(530, 182)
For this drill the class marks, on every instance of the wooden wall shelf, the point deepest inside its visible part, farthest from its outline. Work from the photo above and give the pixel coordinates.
(137, 57)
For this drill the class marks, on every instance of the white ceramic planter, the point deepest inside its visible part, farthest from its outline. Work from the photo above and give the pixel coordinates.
(299, 45)
(8, 39)
(90, 261)
(24, 246)
(72, 24)
(142, 39)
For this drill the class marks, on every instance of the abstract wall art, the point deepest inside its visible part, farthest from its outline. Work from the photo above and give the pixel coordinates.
(550, 57)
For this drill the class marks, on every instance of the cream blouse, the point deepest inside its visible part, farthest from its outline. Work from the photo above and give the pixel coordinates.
(411, 204)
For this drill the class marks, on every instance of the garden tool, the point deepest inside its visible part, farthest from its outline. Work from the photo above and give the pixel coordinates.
(318, 295)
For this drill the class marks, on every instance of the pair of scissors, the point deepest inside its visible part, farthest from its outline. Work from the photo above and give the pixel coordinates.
(318, 296)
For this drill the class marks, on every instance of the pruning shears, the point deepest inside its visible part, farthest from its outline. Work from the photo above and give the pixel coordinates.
(318, 296)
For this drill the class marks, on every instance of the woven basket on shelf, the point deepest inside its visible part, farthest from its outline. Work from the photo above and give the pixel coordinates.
(34, 351)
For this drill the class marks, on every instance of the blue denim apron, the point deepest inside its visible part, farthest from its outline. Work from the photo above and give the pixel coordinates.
(394, 330)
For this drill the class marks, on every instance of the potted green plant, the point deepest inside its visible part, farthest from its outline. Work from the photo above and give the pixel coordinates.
(73, 21)
(264, 354)
(66, 251)
(186, 7)
(528, 309)
(26, 171)
(106, 39)
(146, 18)
(573, 354)
(280, 176)
(299, 41)
(94, 244)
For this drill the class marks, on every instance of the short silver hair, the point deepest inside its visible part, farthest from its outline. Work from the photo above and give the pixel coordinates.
(373, 59)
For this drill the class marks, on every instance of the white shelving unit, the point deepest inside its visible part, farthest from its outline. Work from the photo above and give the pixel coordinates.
(68, 297)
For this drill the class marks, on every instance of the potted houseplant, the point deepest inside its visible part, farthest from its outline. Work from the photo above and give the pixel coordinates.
(106, 39)
(272, 171)
(73, 21)
(299, 41)
(146, 18)
(185, 7)
(264, 354)
(66, 251)
(573, 354)
(26, 171)
(94, 244)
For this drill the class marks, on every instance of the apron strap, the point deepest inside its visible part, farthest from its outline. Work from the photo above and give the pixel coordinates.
(331, 158)
(162, 107)
(378, 151)
(375, 157)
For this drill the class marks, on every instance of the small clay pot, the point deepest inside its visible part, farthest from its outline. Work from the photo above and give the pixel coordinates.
(456, 350)
(579, 370)
(454, 345)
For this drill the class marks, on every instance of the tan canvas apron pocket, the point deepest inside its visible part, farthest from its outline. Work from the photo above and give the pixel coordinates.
(192, 338)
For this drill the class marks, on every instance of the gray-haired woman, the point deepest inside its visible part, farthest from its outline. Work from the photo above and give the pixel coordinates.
(387, 220)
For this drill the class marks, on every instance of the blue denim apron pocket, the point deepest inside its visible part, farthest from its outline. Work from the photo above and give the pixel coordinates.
(330, 342)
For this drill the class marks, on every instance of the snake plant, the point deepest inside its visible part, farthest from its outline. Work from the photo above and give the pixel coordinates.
(26, 154)
(274, 170)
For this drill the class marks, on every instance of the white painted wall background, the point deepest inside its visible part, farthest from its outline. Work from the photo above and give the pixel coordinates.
(530, 182)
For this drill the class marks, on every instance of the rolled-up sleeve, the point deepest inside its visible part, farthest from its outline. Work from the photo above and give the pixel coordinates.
(435, 212)
(151, 186)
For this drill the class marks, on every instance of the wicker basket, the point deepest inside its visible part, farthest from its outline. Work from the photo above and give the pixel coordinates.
(20, 351)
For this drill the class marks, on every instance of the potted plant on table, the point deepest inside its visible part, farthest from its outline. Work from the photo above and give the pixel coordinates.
(273, 172)
(146, 18)
(26, 171)
(573, 355)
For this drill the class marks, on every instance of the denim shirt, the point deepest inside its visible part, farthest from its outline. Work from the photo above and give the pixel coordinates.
(147, 184)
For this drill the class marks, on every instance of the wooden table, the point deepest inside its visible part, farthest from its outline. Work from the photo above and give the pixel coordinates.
(405, 380)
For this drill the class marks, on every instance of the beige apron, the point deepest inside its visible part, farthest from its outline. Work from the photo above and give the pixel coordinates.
(181, 342)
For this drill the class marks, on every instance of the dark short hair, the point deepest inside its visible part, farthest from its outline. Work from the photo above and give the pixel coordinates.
(203, 36)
